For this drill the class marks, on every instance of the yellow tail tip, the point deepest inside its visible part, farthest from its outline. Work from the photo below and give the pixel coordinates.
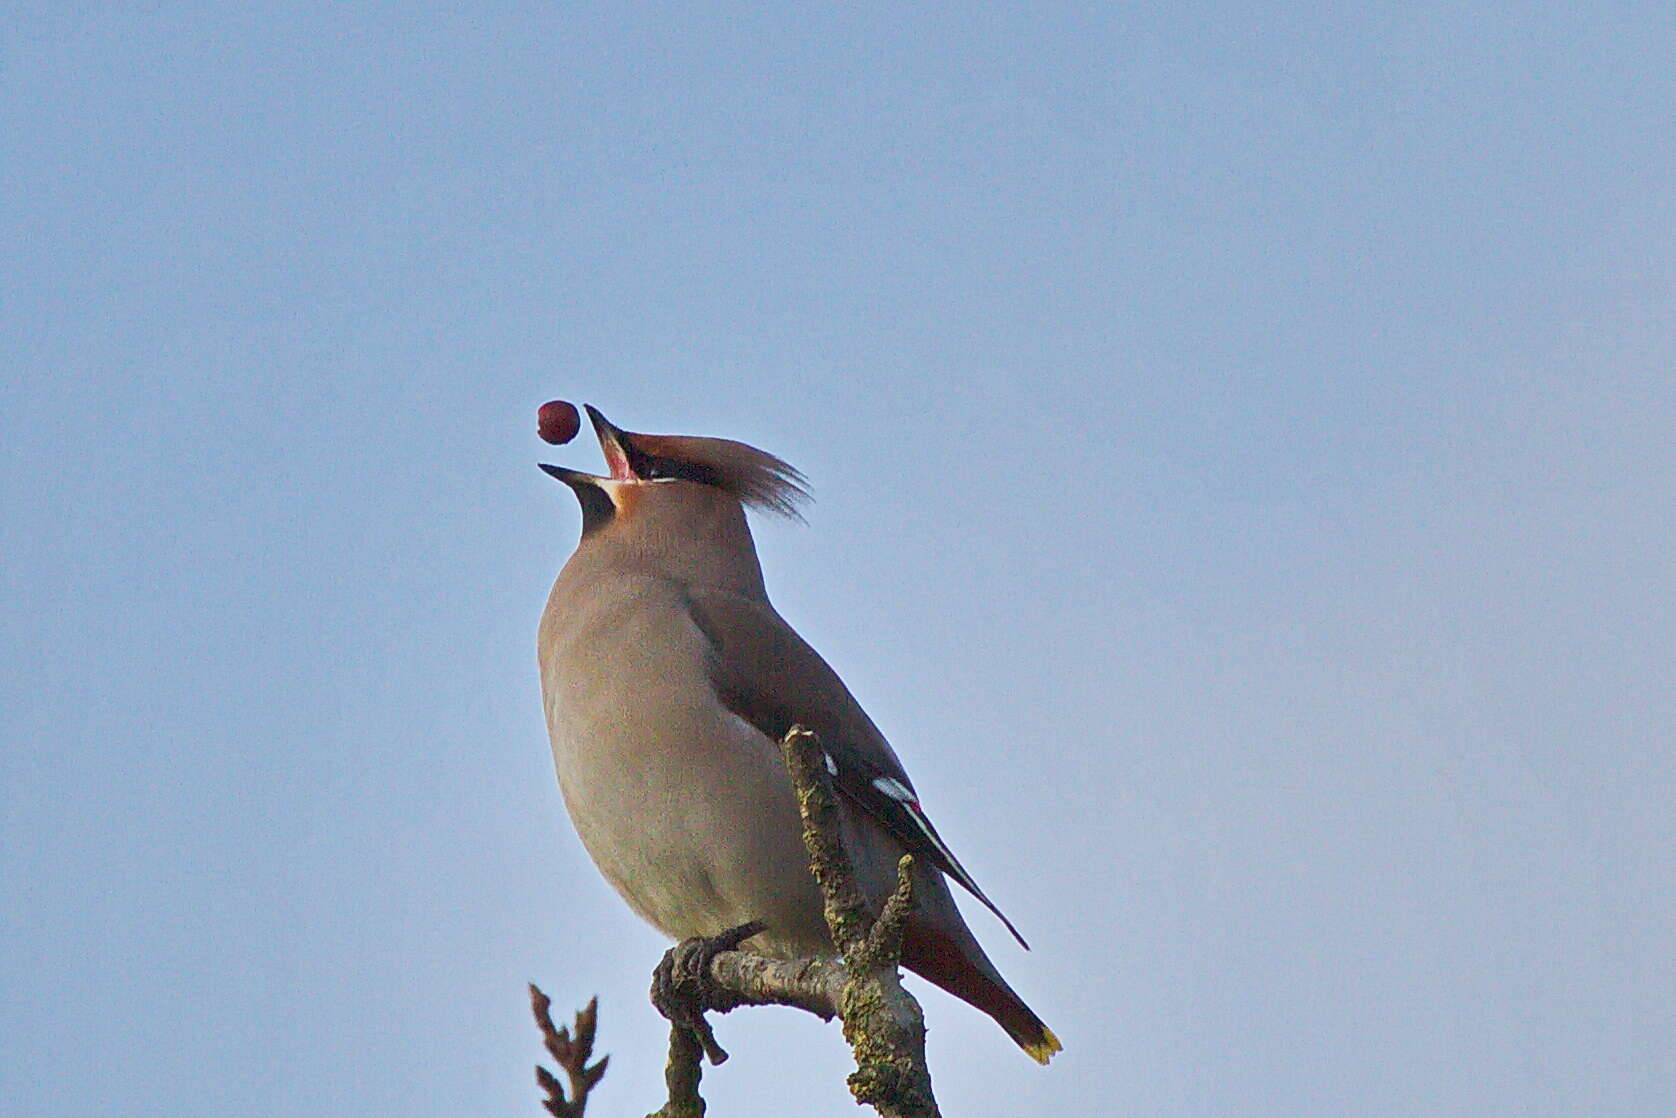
(1042, 1050)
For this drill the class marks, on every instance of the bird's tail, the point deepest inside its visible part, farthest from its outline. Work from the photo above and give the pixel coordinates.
(944, 960)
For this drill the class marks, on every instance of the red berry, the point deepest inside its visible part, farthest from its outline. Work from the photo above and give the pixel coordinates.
(557, 422)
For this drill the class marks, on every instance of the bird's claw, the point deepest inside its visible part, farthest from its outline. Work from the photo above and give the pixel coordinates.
(682, 988)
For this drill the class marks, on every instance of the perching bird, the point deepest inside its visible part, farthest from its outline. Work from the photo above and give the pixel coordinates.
(669, 679)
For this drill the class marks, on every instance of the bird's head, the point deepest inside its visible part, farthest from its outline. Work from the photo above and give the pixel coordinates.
(667, 484)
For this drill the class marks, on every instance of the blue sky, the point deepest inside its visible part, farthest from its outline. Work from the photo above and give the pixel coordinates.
(1241, 440)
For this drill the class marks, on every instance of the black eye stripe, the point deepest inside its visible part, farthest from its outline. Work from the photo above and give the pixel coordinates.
(651, 466)
(691, 471)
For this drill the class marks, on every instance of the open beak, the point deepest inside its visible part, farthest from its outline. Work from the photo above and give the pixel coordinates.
(570, 477)
(592, 493)
(613, 442)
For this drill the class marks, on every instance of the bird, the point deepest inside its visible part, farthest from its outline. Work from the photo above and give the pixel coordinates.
(668, 680)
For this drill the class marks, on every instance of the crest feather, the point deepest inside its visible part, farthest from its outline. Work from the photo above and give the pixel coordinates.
(758, 479)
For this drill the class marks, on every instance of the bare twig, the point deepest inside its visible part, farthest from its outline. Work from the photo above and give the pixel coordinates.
(882, 1021)
(681, 1075)
(570, 1052)
(813, 984)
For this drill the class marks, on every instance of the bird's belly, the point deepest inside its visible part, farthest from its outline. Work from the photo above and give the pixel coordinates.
(685, 808)
(702, 831)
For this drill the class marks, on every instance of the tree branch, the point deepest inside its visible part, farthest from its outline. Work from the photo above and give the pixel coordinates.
(571, 1053)
(882, 1021)
(681, 1075)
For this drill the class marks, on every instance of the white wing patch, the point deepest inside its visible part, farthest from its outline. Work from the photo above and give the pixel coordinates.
(889, 785)
(895, 790)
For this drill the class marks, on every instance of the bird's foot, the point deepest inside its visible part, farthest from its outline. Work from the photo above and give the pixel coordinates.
(682, 988)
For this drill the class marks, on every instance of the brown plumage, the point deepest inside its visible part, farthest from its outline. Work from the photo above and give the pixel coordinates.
(758, 479)
(668, 678)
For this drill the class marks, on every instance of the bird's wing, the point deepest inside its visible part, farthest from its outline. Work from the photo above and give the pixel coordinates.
(769, 676)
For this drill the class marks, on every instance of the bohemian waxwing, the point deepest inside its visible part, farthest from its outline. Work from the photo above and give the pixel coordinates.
(669, 679)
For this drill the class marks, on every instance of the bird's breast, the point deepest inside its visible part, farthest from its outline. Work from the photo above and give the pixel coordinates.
(680, 803)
